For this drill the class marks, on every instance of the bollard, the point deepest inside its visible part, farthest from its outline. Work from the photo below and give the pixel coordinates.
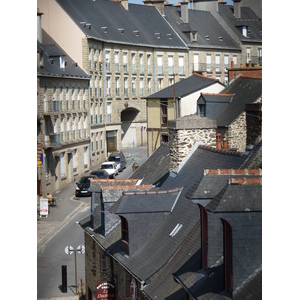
(64, 278)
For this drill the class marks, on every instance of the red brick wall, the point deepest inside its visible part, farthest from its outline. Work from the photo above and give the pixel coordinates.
(246, 72)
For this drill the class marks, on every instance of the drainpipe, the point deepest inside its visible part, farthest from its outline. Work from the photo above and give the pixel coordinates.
(104, 97)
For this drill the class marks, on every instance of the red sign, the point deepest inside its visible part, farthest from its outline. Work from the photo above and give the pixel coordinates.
(105, 290)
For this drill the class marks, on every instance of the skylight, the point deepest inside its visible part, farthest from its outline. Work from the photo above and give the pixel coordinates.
(175, 230)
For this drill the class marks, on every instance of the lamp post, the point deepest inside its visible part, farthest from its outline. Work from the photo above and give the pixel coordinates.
(69, 250)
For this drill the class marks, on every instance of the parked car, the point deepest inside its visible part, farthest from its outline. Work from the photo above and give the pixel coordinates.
(83, 186)
(111, 168)
(100, 174)
(119, 158)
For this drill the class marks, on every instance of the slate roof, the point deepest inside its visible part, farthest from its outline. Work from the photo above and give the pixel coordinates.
(184, 87)
(122, 27)
(157, 255)
(155, 169)
(51, 53)
(248, 18)
(214, 103)
(245, 90)
(198, 21)
(204, 157)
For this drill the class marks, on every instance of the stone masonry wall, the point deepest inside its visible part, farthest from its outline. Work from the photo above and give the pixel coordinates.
(237, 133)
(182, 141)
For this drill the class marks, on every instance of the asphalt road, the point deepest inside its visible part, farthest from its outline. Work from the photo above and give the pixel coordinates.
(51, 255)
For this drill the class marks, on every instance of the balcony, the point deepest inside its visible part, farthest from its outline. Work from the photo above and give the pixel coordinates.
(52, 140)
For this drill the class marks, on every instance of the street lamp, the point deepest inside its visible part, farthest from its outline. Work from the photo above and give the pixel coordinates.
(69, 250)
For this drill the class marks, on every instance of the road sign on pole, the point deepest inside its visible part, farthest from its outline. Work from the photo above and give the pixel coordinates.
(69, 250)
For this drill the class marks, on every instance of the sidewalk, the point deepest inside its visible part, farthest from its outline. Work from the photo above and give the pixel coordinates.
(66, 206)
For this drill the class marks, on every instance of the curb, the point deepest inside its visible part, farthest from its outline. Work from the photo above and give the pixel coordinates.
(58, 228)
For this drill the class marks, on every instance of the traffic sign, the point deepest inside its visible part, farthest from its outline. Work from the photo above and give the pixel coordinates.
(80, 249)
(69, 250)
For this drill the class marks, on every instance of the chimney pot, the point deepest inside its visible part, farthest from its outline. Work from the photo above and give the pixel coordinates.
(232, 64)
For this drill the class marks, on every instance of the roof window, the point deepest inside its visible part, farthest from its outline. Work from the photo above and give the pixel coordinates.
(175, 230)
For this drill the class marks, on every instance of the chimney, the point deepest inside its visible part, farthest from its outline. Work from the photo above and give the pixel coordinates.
(39, 26)
(97, 207)
(206, 5)
(184, 132)
(237, 9)
(184, 11)
(125, 4)
(159, 4)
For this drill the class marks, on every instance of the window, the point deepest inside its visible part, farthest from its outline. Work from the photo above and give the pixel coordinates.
(108, 90)
(79, 126)
(68, 128)
(226, 61)
(126, 87)
(208, 62)
(108, 115)
(45, 99)
(117, 62)
(217, 63)
(78, 98)
(201, 110)
(117, 87)
(74, 161)
(159, 64)
(62, 165)
(125, 235)
(133, 62)
(164, 112)
(227, 244)
(73, 127)
(248, 55)
(244, 31)
(204, 237)
(160, 83)
(62, 62)
(107, 64)
(85, 157)
(149, 85)
(180, 62)
(62, 129)
(170, 64)
(125, 62)
(234, 58)
(141, 64)
(149, 64)
(141, 86)
(133, 87)
(196, 64)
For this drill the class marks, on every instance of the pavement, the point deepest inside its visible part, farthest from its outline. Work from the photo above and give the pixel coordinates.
(61, 214)
(63, 211)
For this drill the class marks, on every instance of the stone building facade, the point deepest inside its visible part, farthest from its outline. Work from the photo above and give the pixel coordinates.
(185, 132)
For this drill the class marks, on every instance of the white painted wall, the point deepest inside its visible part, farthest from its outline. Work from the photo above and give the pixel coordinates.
(188, 104)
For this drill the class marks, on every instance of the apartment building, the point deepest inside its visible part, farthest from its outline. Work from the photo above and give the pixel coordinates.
(125, 58)
(131, 51)
(62, 115)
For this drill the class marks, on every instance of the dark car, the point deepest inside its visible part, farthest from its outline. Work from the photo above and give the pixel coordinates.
(119, 158)
(83, 186)
(100, 174)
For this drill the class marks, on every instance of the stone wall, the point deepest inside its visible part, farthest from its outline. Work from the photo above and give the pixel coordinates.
(185, 132)
(237, 133)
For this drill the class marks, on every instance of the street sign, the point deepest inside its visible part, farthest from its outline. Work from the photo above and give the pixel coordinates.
(69, 250)
(80, 249)
(40, 154)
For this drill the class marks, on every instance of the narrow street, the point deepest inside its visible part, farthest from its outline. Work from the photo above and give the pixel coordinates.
(60, 230)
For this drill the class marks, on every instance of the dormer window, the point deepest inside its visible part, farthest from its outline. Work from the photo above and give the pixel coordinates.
(125, 235)
(193, 36)
(245, 31)
(62, 63)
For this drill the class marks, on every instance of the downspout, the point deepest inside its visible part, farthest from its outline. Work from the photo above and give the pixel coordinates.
(104, 97)
(154, 69)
